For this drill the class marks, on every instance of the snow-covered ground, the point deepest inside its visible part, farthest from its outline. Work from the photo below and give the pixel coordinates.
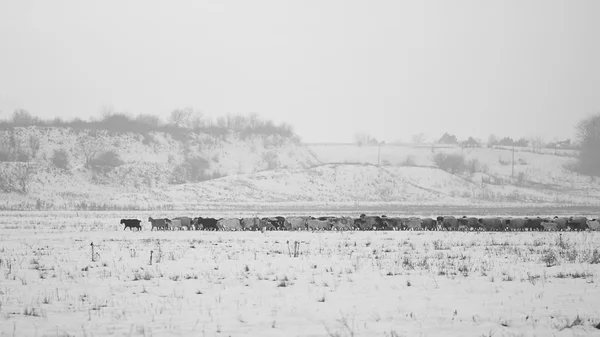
(249, 283)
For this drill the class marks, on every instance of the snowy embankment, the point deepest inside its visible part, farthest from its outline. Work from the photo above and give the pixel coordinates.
(360, 185)
(269, 172)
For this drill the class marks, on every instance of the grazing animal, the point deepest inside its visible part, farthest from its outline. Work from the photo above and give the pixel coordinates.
(463, 224)
(341, 224)
(413, 224)
(185, 222)
(550, 225)
(207, 224)
(174, 224)
(428, 224)
(534, 224)
(267, 225)
(250, 224)
(577, 223)
(516, 224)
(159, 224)
(131, 224)
(316, 225)
(295, 223)
(561, 222)
(447, 222)
(393, 223)
(473, 223)
(231, 224)
(492, 224)
(593, 225)
(371, 222)
(506, 223)
(277, 221)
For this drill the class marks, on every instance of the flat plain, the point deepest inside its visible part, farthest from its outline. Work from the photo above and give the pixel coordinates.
(356, 283)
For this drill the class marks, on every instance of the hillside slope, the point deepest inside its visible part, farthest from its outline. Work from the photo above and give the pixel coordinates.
(274, 172)
(367, 185)
(149, 163)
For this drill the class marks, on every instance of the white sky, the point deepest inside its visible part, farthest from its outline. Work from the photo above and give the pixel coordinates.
(329, 68)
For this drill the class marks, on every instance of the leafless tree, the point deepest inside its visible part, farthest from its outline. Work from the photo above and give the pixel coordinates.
(107, 111)
(181, 117)
(6, 179)
(588, 132)
(537, 143)
(23, 174)
(221, 122)
(196, 120)
(150, 120)
(364, 138)
(253, 120)
(16, 178)
(492, 140)
(34, 145)
(418, 138)
(22, 117)
(90, 147)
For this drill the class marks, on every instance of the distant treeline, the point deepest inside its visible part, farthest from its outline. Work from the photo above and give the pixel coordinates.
(536, 143)
(180, 123)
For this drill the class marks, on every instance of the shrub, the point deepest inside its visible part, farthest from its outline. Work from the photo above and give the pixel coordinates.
(192, 170)
(107, 159)
(16, 178)
(474, 166)
(270, 158)
(60, 159)
(521, 178)
(588, 132)
(550, 258)
(450, 162)
(408, 161)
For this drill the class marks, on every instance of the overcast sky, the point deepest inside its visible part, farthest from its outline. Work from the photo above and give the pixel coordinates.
(329, 68)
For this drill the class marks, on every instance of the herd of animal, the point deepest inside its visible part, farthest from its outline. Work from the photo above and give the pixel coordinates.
(364, 222)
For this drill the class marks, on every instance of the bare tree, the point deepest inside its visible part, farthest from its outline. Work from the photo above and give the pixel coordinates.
(90, 147)
(149, 120)
(588, 132)
(16, 178)
(221, 122)
(7, 183)
(238, 122)
(22, 117)
(254, 120)
(196, 120)
(537, 143)
(418, 138)
(107, 111)
(229, 121)
(492, 140)
(23, 174)
(181, 117)
(363, 138)
(34, 145)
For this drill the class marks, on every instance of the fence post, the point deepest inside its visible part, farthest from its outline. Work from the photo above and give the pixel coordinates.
(92, 245)
(151, 256)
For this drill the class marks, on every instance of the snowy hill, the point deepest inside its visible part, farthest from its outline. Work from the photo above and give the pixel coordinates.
(150, 162)
(272, 171)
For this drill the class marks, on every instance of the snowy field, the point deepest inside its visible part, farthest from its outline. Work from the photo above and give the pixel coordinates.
(249, 283)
